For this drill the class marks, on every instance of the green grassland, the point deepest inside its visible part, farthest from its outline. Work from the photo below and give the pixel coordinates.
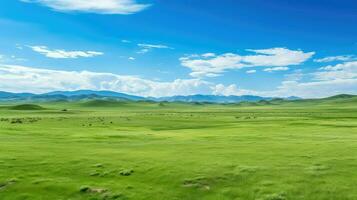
(270, 150)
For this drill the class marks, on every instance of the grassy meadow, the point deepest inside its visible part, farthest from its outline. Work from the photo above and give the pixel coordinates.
(99, 149)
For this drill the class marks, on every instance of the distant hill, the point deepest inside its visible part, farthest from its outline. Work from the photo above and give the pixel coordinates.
(115, 96)
(85, 93)
(9, 95)
(103, 103)
(27, 107)
(69, 96)
(212, 98)
(341, 96)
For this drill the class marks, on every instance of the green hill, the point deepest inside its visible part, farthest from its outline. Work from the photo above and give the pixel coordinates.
(27, 107)
(341, 96)
(103, 103)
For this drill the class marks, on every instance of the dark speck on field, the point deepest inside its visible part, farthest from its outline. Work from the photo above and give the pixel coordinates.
(94, 174)
(105, 194)
(87, 189)
(126, 172)
(7, 183)
(198, 183)
(275, 196)
(99, 165)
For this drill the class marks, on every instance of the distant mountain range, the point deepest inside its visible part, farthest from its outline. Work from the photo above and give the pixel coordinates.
(216, 98)
(90, 94)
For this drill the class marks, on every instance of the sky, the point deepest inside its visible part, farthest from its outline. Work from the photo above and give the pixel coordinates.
(275, 48)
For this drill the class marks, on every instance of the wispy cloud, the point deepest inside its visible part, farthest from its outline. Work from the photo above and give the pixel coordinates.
(251, 71)
(123, 7)
(145, 48)
(19, 46)
(336, 58)
(11, 59)
(153, 46)
(272, 69)
(208, 55)
(58, 53)
(214, 65)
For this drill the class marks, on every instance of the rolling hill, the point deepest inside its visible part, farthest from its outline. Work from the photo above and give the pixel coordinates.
(105, 95)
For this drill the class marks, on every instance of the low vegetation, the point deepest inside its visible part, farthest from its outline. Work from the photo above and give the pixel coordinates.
(268, 150)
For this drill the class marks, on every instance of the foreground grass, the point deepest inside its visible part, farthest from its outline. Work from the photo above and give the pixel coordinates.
(178, 151)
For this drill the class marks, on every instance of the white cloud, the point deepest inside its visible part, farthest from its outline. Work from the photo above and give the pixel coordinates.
(277, 57)
(153, 46)
(19, 46)
(145, 48)
(11, 59)
(201, 67)
(215, 65)
(336, 58)
(317, 89)
(207, 55)
(272, 69)
(333, 80)
(58, 53)
(221, 89)
(131, 58)
(125, 41)
(313, 89)
(123, 7)
(297, 75)
(15, 58)
(347, 70)
(28, 79)
(251, 71)
(143, 51)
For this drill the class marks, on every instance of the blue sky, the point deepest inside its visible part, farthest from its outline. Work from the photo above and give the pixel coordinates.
(180, 47)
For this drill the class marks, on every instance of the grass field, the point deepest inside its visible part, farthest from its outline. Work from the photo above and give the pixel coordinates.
(175, 151)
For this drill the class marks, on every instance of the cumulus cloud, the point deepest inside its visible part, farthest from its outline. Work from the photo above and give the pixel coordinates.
(311, 89)
(202, 66)
(27, 79)
(347, 70)
(336, 58)
(214, 65)
(123, 7)
(58, 53)
(329, 81)
(277, 57)
(317, 89)
(272, 69)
